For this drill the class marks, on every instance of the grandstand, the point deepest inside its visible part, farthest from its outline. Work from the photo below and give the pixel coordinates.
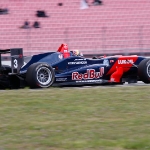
(114, 27)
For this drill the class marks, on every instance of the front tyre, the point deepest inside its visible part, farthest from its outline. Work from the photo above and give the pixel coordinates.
(40, 75)
(144, 70)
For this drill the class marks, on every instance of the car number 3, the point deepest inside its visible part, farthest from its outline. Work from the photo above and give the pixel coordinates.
(15, 63)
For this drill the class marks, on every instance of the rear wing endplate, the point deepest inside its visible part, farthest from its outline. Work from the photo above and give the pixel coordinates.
(16, 55)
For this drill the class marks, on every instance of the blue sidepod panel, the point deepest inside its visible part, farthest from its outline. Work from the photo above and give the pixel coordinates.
(83, 73)
(78, 69)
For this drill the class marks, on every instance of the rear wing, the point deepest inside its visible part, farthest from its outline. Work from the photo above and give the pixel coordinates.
(16, 55)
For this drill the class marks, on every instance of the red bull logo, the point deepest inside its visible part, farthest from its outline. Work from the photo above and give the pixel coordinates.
(90, 74)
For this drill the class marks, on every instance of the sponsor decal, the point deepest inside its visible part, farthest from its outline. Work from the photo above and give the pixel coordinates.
(41, 65)
(112, 79)
(60, 56)
(65, 50)
(23, 71)
(24, 64)
(80, 59)
(129, 61)
(61, 79)
(77, 63)
(90, 74)
(106, 62)
(111, 61)
(17, 56)
(90, 81)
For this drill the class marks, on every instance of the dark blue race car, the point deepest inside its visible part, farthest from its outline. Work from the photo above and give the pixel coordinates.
(46, 69)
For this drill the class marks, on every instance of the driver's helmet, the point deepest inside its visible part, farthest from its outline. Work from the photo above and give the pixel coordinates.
(77, 53)
(64, 50)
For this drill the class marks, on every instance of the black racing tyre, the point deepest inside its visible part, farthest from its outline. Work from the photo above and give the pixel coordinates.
(40, 75)
(144, 70)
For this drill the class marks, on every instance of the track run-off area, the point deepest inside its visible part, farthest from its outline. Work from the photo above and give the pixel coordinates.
(138, 84)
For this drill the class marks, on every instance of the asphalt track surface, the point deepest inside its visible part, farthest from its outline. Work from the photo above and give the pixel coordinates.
(140, 83)
(91, 86)
(96, 86)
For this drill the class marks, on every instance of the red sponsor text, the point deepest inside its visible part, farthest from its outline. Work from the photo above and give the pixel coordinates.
(90, 74)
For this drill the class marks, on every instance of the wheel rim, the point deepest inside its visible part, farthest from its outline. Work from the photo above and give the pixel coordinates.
(148, 70)
(44, 76)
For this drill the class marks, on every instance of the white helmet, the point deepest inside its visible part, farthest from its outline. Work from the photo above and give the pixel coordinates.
(77, 53)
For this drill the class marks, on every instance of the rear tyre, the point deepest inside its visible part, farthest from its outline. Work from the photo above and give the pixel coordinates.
(144, 70)
(40, 75)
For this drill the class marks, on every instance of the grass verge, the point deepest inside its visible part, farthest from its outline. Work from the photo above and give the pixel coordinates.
(104, 118)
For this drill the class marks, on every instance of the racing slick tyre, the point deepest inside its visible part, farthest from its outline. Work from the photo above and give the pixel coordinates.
(144, 70)
(40, 75)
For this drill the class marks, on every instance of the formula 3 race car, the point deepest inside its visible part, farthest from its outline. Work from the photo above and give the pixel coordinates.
(47, 69)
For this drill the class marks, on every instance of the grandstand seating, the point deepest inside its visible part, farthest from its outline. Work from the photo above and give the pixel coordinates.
(114, 27)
